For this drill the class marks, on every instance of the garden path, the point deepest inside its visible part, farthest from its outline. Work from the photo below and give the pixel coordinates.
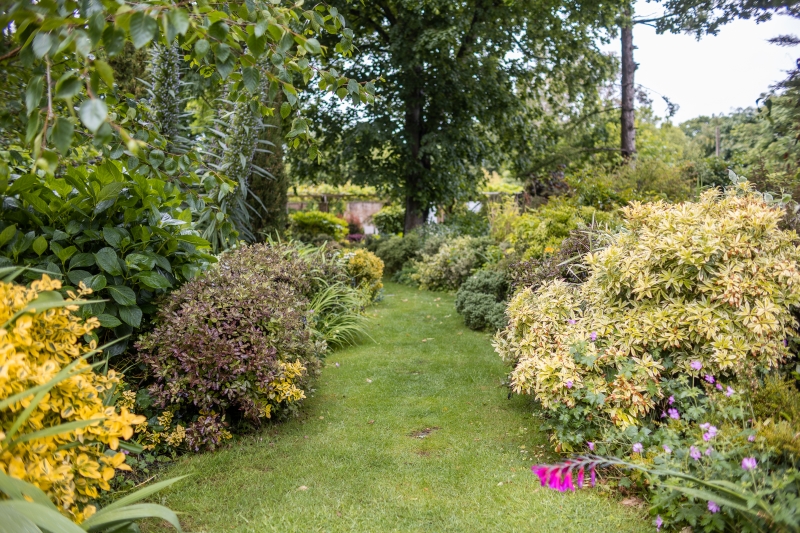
(411, 432)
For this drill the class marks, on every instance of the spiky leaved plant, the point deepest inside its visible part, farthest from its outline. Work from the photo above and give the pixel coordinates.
(166, 99)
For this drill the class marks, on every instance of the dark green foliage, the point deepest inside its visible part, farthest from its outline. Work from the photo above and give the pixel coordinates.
(271, 217)
(565, 264)
(389, 220)
(465, 222)
(166, 102)
(130, 66)
(481, 300)
(217, 350)
(129, 238)
(396, 251)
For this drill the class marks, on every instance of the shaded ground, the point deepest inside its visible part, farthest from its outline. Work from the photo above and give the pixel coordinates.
(412, 432)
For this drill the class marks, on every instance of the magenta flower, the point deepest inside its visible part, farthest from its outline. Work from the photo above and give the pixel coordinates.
(751, 438)
(709, 378)
(696, 365)
(709, 451)
(713, 507)
(674, 414)
(590, 444)
(719, 386)
(569, 384)
(749, 463)
(571, 322)
(730, 392)
(694, 453)
(593, 336)
(710, 433)
(663, 414)
(592, 476)
(667, 448)
(671, 400)
(659, 522)
(638, 448)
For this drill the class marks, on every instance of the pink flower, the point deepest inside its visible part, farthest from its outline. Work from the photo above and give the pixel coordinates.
(694, 453)
(719, 386)
(571, 322)
(667, 448)
(590, 444)
(592, 476)
(638, 448)
(751, 438)
(713, 507)
(697, 365)
(569, 383)
(709, 378)
(730, 392)
(709, 451)
(663, 414)
(710, 433)
(749, 463)
(593, 336)
(659, 523)
(674, 414)
(671, 400)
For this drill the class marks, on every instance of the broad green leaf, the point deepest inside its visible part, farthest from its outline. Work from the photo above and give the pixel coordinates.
(7, 234)
(312, 45)
(77, 275)
(201, 48)
(68, 86)
(96, 283)
(195, 240)
(40, 245)
(179, 20)
(105, 71)
(219, 30)
(47, 519)
(154, 280)
(16, 489)
(61, 134)
(65, 253)
(112, 236)
(108, 321)
(140, 261)
(251, 77)
(122, 295)
(13, 522)
(43, 43)
(113, 40)
(106, 259)
(131, 315)
(142, 28)
(286, 109)
(33, 93)
(93, 114)
(130, 513)
(108, 196)
(81, 260)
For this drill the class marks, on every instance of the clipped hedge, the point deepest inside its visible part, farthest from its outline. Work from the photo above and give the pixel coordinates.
(310, 226)
(481, 300)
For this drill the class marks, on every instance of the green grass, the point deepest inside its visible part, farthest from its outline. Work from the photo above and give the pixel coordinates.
(355, 463)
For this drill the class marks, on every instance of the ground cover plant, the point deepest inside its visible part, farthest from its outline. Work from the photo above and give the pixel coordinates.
(400, 434)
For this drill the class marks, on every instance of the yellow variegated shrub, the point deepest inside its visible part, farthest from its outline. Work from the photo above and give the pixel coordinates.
(367, 270)
(70, 467)
(696, 288)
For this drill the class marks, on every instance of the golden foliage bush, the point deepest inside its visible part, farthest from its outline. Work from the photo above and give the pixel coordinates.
(72, 467)
(695, 288)
(367, 270)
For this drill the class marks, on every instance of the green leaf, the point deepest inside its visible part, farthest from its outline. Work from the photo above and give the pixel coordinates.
(154, 280)
(201, 48)
(195, 240)
(105, 71)
(179, 20)
(65, 253)
(122, 295)
(142, 29)
(106, 259)
(113, 40)
(219, 30)
(7, 234)
(286, 109)
(131, 315)
(12, 521)
(93, 114)
(52, 431)
(43, 43)
(112, 236)
(131, 513)
(108, 321)
(33, 93)
(68, 86)
(47, 519)
(16, 489)
(139, 495)
(156, 157)
(40, 245)
(61, 134)
(96, 282)
(81, 260)
(76, 276)
(312, 45)
(251, 77)
(108, 196)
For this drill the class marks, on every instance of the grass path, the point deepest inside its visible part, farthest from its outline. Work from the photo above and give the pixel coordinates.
(413, 433)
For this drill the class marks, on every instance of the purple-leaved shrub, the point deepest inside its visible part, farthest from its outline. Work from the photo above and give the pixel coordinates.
(233, 345)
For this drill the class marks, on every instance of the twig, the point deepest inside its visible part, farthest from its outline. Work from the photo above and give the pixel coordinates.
(11, 54)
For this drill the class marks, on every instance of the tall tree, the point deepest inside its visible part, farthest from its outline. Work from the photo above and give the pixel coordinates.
(464, 84)
(628, 129)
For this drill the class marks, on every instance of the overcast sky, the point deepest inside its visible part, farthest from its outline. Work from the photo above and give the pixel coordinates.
(716, 74)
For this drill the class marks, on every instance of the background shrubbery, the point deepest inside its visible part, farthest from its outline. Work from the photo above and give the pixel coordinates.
(315, 226)
(481, 299)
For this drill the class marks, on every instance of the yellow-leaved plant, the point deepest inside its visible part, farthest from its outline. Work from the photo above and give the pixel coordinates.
(699, 288)
(40, 338)
(366, 269)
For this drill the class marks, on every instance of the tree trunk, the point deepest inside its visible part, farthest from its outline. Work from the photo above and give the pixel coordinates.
(416, 212)
(628, 135)
(272, 217)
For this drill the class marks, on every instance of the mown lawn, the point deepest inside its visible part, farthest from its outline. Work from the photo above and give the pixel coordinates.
(412, 432)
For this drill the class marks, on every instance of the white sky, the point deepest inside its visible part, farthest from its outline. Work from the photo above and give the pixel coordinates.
(716, 74)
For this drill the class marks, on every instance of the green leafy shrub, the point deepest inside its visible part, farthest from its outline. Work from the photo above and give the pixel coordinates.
(396, 251)
(452, 264)
(390, 219)
(705, 284)
(127, 237)
(481, 300)
(233, 345)
(309, 226)
(540, 232)
(366, 270)
(465, 222)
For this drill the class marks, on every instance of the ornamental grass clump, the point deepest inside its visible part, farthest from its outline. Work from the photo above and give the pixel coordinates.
(233, 346)
(692, 289)
(74, 464)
